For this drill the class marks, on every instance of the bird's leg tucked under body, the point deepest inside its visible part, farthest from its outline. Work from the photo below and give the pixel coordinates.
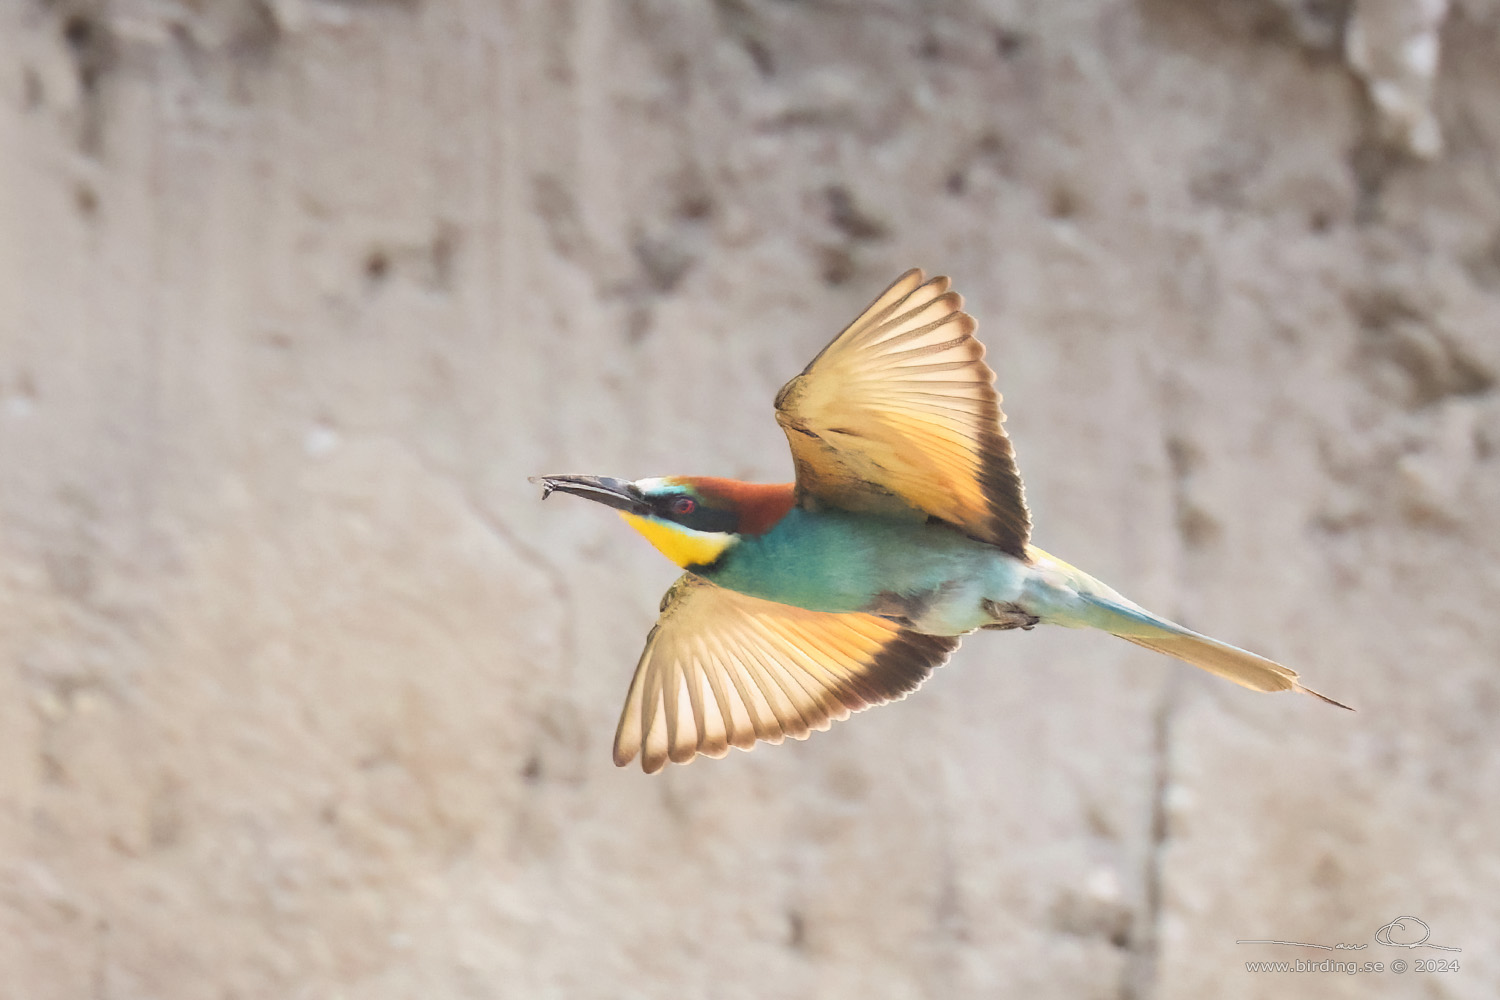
(1008, 616)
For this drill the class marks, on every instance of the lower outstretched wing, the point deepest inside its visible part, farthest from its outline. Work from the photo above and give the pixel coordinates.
(722, 669)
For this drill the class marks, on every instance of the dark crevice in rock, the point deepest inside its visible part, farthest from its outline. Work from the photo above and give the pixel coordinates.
(1145, 947)
(1403, 355)
(796, 930)
(1195, 526)
(989, 152)
(850, 218)
(1315, 26)
(1373, 163)
(836, 264)
(838, 260)
(741, 23)
(92, 47)
(377, 266)
(1009, 43)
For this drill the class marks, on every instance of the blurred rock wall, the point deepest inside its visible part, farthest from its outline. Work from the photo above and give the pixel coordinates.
(304, 694)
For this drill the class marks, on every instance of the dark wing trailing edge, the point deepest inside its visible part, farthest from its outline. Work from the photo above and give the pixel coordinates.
(900, 412)
(722, 669)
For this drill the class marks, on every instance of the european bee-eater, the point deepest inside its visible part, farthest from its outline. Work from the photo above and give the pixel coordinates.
(906, 528)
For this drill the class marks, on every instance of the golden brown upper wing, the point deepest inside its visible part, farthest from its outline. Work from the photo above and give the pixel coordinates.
(722, 669)
(899, 412)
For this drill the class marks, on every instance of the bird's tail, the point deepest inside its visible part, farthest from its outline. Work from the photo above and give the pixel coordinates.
(1066, 595)
(1134, 624)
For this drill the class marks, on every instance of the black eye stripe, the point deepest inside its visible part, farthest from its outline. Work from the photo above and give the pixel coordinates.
(698, 518)
(664, 505)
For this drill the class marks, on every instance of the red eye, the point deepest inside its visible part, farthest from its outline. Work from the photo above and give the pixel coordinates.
(683, 505)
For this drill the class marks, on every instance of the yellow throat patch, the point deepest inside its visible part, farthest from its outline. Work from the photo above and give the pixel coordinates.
(683, 546)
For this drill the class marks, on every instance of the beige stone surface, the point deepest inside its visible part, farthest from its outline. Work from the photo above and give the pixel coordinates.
(304, 694)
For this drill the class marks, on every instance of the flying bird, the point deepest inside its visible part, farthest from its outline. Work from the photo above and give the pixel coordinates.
(906, 528)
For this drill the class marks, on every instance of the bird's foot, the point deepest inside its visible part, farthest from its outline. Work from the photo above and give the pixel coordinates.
(1008, 616)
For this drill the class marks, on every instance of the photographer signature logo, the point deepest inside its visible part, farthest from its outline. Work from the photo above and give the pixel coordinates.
(1403, 932)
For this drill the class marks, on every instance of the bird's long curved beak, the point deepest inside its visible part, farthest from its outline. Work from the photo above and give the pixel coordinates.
(620, 494)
